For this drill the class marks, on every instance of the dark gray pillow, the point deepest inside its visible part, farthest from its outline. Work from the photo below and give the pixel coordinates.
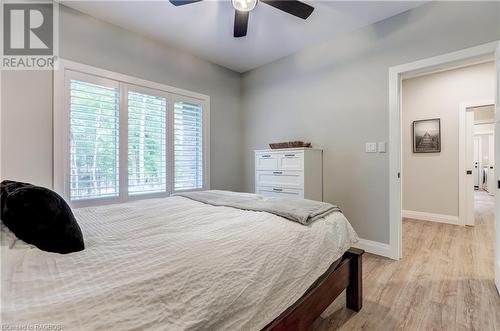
(40, 217)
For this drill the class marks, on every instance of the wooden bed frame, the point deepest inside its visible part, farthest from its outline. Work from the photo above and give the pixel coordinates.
(347, 275)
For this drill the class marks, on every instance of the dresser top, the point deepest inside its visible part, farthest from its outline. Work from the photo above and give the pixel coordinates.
(287, 149)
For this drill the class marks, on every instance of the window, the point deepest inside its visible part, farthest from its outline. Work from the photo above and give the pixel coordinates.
(188, 146)
(147, 155)
(119, 138)
(94, 113)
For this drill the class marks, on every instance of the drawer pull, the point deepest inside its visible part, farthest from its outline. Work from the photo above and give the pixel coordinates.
(266, 156)
(277, 172)
(277, 189)
(289, 155)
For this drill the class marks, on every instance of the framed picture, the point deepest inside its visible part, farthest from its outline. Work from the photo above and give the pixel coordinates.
(427, 136)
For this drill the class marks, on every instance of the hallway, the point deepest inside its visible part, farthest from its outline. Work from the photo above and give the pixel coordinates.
(444, 281)
(484, 208)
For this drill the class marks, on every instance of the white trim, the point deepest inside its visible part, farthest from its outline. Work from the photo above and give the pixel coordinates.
(123, 134)
(395, 174)
(123, 142)
(205, 108)
(464, 57)
(423, 216)
(375, 247)
(497, 173)
(124, 82)
(458, 65)
(395, 78)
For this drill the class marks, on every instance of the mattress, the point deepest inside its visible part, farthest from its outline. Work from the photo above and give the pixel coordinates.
(170, 264)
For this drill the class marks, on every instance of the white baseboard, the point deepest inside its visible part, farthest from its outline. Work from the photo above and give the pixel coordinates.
(375, 247)
(440, 218)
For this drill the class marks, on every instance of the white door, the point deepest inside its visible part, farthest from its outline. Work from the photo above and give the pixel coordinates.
(497, 174)
(491, 164)
(469, 161)
(477, 144)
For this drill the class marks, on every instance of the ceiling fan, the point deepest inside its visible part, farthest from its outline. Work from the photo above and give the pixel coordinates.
(242, 9)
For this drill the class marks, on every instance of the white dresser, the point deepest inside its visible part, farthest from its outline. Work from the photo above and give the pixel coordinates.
(293, 172)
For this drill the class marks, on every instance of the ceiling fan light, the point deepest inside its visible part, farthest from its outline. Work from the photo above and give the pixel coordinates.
(244, 5)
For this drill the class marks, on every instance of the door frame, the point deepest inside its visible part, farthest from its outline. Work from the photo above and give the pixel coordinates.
(497, 161)
(462, 166)
(469, 56)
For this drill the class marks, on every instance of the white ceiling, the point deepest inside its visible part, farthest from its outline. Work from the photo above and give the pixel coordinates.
(205, 28)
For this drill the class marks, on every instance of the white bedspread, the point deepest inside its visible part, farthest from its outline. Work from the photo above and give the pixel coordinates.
(171, 264)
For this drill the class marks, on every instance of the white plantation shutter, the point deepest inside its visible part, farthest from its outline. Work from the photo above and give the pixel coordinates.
(119, 138)
(147, 130)
(188, 146)
(94, 115)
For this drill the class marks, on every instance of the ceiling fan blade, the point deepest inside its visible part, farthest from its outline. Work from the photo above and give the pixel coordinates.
(293, 7)
(183, 2)
(240, 23)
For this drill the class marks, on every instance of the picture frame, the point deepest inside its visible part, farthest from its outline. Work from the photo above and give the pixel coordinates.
(427, 136)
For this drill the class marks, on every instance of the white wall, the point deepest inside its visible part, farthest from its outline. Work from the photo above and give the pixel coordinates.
(26, 126)
(430, 180)
(336, 96)
(26, 106)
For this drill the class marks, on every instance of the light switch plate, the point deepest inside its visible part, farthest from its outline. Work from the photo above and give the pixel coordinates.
(381, 146)
(371, 148)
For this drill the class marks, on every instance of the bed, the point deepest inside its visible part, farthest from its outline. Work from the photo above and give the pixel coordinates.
(178, 264)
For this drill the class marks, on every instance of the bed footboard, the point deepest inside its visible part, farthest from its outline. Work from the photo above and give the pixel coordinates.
(347, 276)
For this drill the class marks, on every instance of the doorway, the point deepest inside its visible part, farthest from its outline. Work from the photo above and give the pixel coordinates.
(478, 132)
(489, 51)
(430, 114)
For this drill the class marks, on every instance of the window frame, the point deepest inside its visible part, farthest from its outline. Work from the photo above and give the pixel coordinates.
(205, 143)
(66, 70)
(124, 194)
(67, 164)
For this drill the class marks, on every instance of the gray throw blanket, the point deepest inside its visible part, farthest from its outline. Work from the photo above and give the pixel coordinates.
(298, 210)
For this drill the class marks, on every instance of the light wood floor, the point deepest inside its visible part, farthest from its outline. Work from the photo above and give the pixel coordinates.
(445, 281)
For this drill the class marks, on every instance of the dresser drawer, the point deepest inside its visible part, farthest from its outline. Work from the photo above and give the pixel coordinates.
(280, 178)
(279, 161)
(266, 161)
(279, 192)
(291, 161)
(289, 172)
